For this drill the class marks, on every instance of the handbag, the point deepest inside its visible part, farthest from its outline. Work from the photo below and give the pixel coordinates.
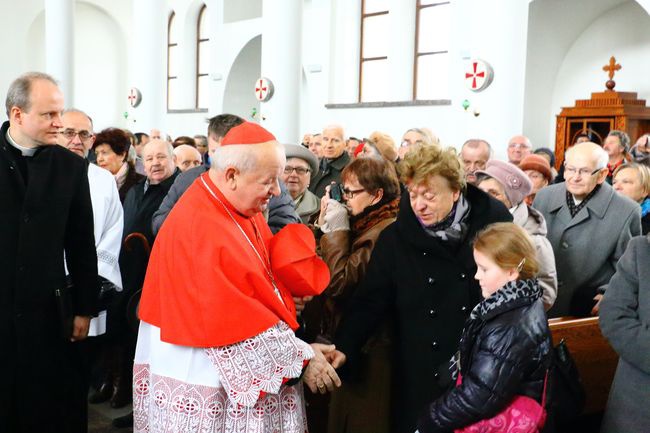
(522, 415)
(567, 392)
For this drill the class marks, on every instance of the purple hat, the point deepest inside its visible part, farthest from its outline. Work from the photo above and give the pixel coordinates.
(515, 182)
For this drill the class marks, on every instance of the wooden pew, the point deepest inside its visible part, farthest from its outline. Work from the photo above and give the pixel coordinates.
(594, 357)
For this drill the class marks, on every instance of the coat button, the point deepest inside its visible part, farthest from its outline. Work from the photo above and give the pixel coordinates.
(565, 245)
(434, 345)
(436, 375)
(433, 313)
(424, 254)
(21, 268)
(463, 308)
(26, 218)
(11, 167)
(463, 276)
(431, 280)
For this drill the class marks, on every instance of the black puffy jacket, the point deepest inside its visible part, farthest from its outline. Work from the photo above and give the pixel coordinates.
(505, 351)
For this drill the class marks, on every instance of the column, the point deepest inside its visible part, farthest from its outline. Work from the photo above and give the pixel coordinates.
(282, 64)
(59, 45)
(148, 64)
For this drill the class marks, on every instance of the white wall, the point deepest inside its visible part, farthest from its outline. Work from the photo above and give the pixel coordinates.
(626, 37)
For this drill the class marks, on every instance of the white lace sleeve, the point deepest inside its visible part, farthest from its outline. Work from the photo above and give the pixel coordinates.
(260, 364)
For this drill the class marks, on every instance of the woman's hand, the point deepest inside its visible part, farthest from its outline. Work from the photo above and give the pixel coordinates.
(323, 206)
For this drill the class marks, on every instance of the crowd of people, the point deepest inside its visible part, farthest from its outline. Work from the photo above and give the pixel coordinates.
(208, 280)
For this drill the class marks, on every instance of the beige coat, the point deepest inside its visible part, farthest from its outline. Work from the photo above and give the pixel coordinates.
(533, 222)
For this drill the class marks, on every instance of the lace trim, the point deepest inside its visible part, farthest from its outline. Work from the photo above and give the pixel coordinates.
(260, 364)
(106, 257)
(165, 405)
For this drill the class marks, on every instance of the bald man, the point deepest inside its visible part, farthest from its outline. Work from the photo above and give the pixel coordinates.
(519, 147)
(186, 157)
(589, 226)
(334, 159)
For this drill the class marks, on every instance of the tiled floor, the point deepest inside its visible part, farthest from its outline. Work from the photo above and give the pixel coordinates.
(101, 415)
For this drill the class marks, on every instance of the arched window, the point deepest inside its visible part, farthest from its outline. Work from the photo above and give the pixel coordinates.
(373, 64)
(172, 64)
(431, 71)
(202, 58)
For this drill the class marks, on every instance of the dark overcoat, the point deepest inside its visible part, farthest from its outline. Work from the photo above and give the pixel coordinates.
(429, 289)
(39, 221)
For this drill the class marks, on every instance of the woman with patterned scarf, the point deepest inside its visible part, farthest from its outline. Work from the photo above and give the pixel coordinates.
(420, 275)
(371, 192)
(505, 349)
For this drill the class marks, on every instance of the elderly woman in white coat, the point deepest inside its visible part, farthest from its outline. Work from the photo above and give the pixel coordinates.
(625, 322)
(510, 185)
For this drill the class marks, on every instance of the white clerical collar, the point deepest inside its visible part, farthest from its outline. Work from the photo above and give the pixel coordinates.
(25, 151)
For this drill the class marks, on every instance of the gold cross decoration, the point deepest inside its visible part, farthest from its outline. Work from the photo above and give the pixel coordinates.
(611, 69)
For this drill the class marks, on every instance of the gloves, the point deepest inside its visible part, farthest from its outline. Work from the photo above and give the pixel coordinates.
(336, 217)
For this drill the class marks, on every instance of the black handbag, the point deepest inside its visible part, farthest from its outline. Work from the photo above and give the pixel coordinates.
(566, 389)
(63, 297)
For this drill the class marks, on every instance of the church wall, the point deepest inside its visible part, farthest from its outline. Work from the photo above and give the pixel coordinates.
(565, 45)
(622, 32)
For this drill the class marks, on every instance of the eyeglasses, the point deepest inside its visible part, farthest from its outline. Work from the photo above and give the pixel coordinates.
(518, 146)
(349, 193)
(407, 143)
(299, 170)
(571, 171)
(69, 134)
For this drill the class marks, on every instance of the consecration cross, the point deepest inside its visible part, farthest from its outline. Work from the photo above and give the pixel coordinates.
(611, 69)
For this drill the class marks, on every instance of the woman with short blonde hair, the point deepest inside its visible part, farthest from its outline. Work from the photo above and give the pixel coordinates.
(420, 274)
(633, 180)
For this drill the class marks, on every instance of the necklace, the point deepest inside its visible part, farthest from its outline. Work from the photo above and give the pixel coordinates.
(267, 265)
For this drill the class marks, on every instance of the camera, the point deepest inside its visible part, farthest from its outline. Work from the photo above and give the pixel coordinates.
(336, 192)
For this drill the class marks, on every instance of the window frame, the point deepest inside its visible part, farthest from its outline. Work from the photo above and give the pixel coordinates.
(199, 41)
(170, 21)
(368, 59)
(416, 54)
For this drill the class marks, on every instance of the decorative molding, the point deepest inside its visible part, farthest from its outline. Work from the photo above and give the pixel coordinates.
(386, 104)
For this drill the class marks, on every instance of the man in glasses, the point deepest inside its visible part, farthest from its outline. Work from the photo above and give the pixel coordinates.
(519, 147)
(301, 165)
(589, 226)
(76, 135)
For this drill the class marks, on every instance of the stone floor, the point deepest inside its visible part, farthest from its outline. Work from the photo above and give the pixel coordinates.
(101, 415)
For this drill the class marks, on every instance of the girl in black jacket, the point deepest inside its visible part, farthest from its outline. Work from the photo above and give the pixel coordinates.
(505, 349)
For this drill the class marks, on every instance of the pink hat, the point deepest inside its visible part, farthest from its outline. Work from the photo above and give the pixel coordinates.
(247, 133)
(515, 182)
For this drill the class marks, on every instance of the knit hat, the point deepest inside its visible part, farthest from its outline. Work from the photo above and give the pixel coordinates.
(247, 133)
(537, 163)
(515, 183)
(295, 151)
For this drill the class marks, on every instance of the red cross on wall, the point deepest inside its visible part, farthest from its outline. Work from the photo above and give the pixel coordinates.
(474, 74)
(261, 89)
(134, 97)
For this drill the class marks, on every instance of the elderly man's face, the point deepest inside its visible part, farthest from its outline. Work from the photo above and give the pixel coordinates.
(187, 157)
(612, 146)
(474, 158)
(333, 143)
(39, 125)
(518, 149)
(76, 133)
(296, 176)
(580, 173)
(254, 189)
(158, 161)
(494, 188)
(432, 200)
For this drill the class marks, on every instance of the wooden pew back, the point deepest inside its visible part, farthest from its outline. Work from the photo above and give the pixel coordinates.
(594, 357)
